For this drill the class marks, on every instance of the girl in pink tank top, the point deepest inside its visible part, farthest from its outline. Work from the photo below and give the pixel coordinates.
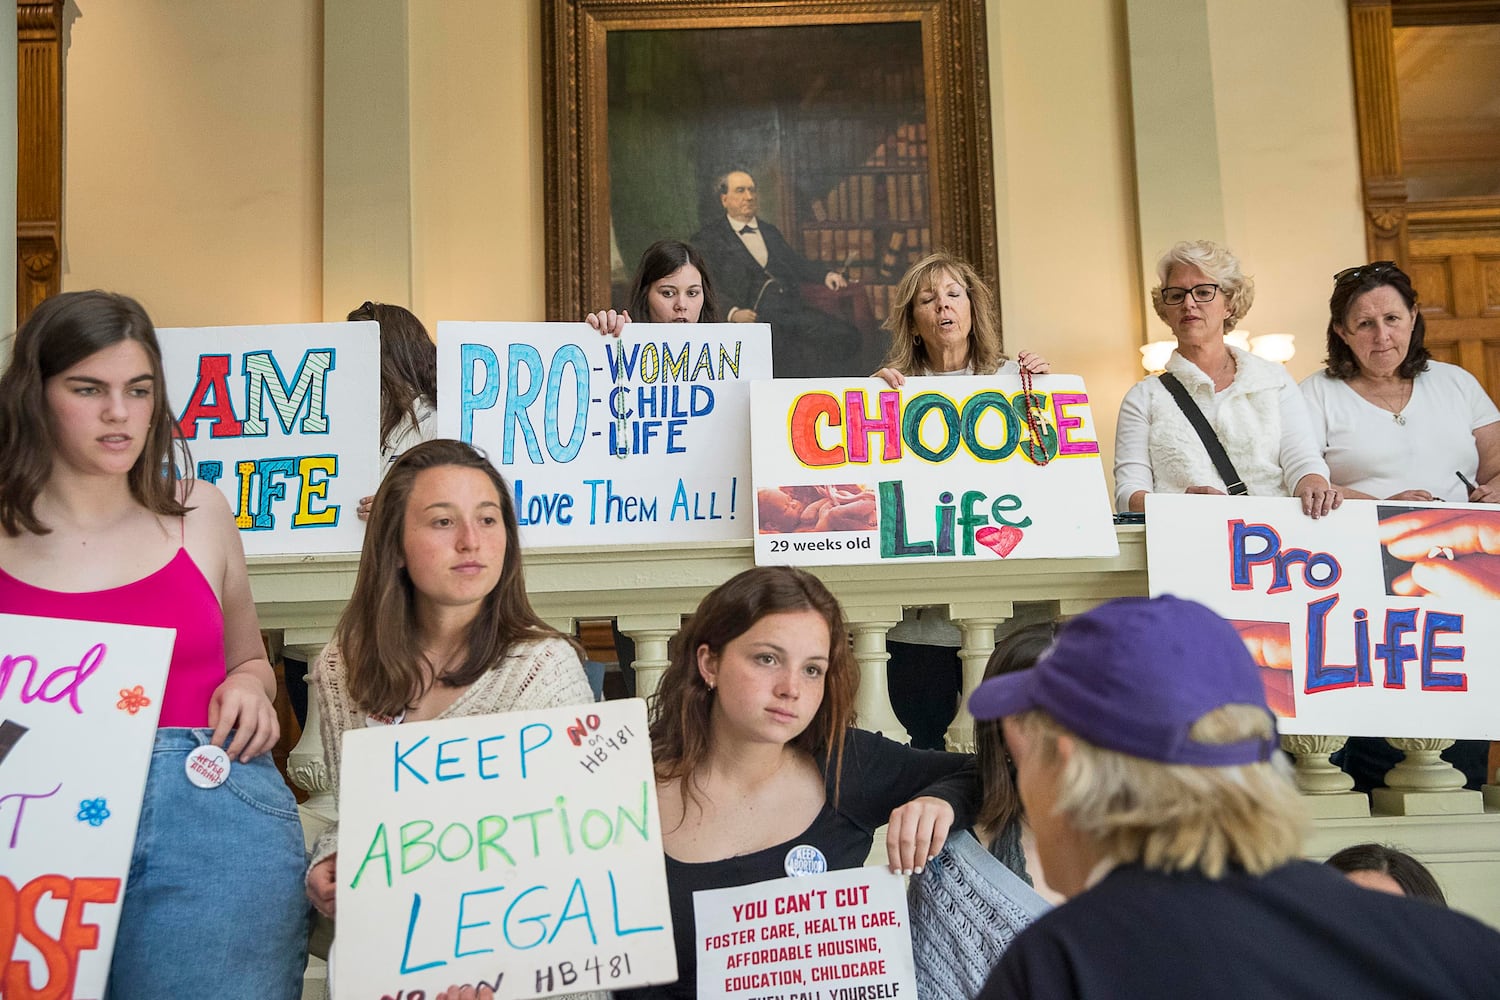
(95, 526)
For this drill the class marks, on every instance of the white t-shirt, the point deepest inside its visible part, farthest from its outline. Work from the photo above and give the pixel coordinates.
(1367, 450)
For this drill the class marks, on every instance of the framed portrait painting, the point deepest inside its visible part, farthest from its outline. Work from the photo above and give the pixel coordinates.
(853, 136)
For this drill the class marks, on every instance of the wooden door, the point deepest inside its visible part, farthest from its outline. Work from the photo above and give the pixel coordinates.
(1427, 89)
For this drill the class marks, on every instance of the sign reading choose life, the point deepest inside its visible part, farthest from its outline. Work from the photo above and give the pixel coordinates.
(519, 851)
(948, 468)
(609, 441)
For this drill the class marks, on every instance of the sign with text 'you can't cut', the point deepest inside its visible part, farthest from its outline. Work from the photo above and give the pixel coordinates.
(521, 851)
(284, 421)
(78, 709)
(607, 441)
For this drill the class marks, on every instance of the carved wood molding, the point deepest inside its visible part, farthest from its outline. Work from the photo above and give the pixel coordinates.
(38, 152)
(575, 120)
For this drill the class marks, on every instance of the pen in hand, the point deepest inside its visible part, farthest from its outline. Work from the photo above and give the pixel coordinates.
(1465, 480)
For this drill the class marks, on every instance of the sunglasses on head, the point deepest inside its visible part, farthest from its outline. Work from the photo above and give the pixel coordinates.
(1364, 271)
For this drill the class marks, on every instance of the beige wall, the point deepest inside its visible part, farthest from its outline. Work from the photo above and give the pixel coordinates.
(478, 246)
(199, 184)
(1289, 159)
(1065, 192)
(193, 151)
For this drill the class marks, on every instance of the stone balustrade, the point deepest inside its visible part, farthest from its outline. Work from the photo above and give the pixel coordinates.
(649, 588)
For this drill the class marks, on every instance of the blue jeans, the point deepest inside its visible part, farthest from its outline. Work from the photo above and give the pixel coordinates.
(214, 905)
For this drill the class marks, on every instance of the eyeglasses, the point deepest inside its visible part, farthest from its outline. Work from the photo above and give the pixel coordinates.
(1364, 271)
(1174, 296)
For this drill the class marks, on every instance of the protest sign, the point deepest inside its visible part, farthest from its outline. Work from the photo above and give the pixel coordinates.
(521, 851)
(854, 471)
(820, 937)
(607, 441)
(1378, 619)
(285, 421)
(78, 709)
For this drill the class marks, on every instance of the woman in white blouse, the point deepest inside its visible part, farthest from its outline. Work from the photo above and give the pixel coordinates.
(1392, 423)
(1252, 405)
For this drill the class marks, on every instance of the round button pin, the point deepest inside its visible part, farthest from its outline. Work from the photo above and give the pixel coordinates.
(805, 859)
(208, 766)
(372, 720)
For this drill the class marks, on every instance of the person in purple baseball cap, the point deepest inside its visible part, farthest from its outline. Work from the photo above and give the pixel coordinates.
(1148, 766)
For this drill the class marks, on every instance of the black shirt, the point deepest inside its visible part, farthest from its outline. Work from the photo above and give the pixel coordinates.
(878, 776)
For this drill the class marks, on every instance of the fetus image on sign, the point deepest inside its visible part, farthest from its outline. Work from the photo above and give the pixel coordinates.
(843, 507)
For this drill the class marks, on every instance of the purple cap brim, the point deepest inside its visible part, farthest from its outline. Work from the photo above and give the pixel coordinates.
(1008, 694)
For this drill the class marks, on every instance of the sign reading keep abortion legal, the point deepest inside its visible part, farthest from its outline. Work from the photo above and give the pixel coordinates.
(284, 421)
(1380, 619)
(78, 708)
(521, 851)
(947, 468)
(608, 441)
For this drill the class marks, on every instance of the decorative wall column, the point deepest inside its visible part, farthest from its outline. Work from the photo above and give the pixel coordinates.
(868, 627)
(1378, 109)
(1424, 784)
(651, 634)
(38, 152)
(1330, 792)
(978, 627)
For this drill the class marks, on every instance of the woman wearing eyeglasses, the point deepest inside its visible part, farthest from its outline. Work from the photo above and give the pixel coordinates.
(1249, 407)
(1392, 423)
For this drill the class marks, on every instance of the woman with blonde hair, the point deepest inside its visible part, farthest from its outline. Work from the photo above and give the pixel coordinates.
(759, 771)
(1219, 419)
(945, 322)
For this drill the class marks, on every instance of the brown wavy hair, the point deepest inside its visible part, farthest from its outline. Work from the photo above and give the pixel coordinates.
(681, 707)
(660, 259)
(377, 633)
(1001, 804)
(408, 365)
(60, 333)
(907, 354)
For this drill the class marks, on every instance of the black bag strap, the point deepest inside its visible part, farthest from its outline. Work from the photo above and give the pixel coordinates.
(1233, 483)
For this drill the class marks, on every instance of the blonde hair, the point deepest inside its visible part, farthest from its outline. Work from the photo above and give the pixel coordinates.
(1237, 287)
(1178, 817)
(907, 354)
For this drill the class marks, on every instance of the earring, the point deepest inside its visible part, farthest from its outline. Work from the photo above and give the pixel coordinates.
(710, 687)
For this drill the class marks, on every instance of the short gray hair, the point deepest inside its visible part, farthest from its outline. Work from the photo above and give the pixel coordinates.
(1214, 260)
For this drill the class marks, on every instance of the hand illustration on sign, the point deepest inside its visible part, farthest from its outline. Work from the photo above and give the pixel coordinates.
(1452, 552)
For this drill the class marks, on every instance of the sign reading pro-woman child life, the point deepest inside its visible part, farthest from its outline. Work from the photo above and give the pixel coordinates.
(959, 467)
(521, 851)
(78, 709)
(609, 441)
(285, 421)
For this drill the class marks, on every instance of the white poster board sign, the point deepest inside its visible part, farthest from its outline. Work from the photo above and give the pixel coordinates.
(608, 441)
(521, 851)
(806, 937)
(1379, 619)
(285, 421)
(78, 709)
(854, 471)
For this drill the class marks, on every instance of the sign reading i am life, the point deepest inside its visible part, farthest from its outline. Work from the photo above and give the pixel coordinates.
(843, 933)
(78, 709)
(607, 441)
(943, 468)
(285, 421)
(519, 851)
(1378, 619)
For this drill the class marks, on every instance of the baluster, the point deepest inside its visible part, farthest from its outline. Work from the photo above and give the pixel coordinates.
(868, 627)
(651, 633)
(978, 631)
(1424, 784)
(1329, 791)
